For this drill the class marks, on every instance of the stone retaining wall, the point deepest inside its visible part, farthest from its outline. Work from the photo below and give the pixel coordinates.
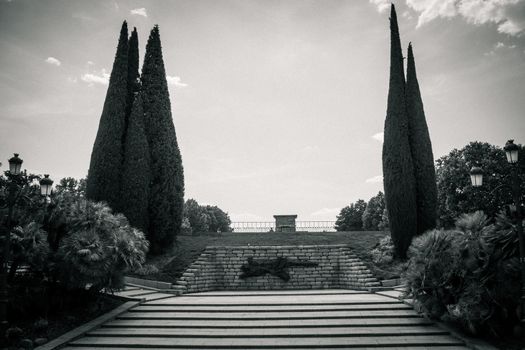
(219, 268)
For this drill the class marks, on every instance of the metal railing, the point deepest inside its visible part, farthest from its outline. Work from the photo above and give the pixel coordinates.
(269, 226)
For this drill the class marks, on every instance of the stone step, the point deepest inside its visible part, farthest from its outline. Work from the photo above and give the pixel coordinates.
(270, 308)
(281, 323)
(313, 347)
(269, 332)
(273, 342)
(280, 299)
(135, 293)
(293, 292)
(239, 315)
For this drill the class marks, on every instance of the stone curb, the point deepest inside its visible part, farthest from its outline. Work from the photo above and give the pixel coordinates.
(89, 326)
(472, 343)
(147, 283)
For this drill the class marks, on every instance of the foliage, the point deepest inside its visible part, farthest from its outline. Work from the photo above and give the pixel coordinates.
(398, 169)
(373, 214)
(384, 224)
(421, 148)
(79, 243)
(469, 274)
(383, 252)
(71, 185)
(136, 173)
(72, 241)
(167, 184)
(205, 218)
(350, 217)
(456, 195)
(103, 182)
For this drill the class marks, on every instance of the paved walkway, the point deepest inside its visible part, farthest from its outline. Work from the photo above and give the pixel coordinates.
(313, 319)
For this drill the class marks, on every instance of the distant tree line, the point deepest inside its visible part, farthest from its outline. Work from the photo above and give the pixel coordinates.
(361, 215)
(204, 218)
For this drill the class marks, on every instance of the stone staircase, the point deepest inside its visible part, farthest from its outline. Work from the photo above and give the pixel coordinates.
(219, 268)
(286, 319)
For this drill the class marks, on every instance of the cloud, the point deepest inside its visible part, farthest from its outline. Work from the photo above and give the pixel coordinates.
(139, 12)
(245, 217)
(72, 79)
(375, 179)
(326, 213)
(382, 5)
(53, 61)
(91, 79)
(90, 63)
(379, 136)
(508, 15)
(176, 81)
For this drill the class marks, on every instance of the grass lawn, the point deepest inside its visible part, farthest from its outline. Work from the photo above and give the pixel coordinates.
(171, 265)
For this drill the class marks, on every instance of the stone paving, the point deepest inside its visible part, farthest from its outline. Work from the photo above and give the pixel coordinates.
(311, 319)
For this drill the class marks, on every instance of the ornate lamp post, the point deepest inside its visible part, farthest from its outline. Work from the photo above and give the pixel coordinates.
(476, 176)
(15, 165)
(15, 184)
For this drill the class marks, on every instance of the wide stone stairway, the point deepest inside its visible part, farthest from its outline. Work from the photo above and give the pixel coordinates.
(293, 319)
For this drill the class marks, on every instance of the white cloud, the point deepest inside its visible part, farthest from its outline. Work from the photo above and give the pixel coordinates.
(382, 5)
(176, 81)
(72, 79)
(90, 78)
(139, 12)
(326, 213)
(379, 136)
(53, 61)
(90, 63)
(508, 15)
(245, 217)
(375, 179)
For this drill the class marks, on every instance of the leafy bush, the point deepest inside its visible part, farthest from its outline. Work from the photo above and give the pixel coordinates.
(469, 275)
(204, 218)
(72, 241)
(350, 217)
(383, 252)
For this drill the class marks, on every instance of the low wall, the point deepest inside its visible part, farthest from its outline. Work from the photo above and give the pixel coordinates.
(219, 268)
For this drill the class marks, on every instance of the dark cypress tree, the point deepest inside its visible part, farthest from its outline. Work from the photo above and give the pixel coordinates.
(398, 170)
(103, 182)
(167, 187)
(136, 173)
(133, 70)
(421, 147)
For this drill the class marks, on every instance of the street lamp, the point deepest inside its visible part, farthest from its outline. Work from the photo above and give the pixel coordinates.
(476, 177)
(15, 184)
(45, 186)
(511, 151)
(15, 165)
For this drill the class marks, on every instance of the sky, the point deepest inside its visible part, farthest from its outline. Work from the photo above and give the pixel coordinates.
(278, 106)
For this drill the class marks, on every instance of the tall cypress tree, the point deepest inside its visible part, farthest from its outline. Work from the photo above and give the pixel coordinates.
(103, 182)
(398, 170)
(136, 173)
(167, 186)
(421, 147)
(133, 70)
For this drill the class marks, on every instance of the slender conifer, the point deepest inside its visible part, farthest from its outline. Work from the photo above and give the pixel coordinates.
(167, 185)
(103, 181)
(421, 147)
(136, 173)
(398, 170)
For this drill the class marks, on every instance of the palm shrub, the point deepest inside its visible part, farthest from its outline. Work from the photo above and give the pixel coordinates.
(99, 248)
(77, 243)
(469, 275)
